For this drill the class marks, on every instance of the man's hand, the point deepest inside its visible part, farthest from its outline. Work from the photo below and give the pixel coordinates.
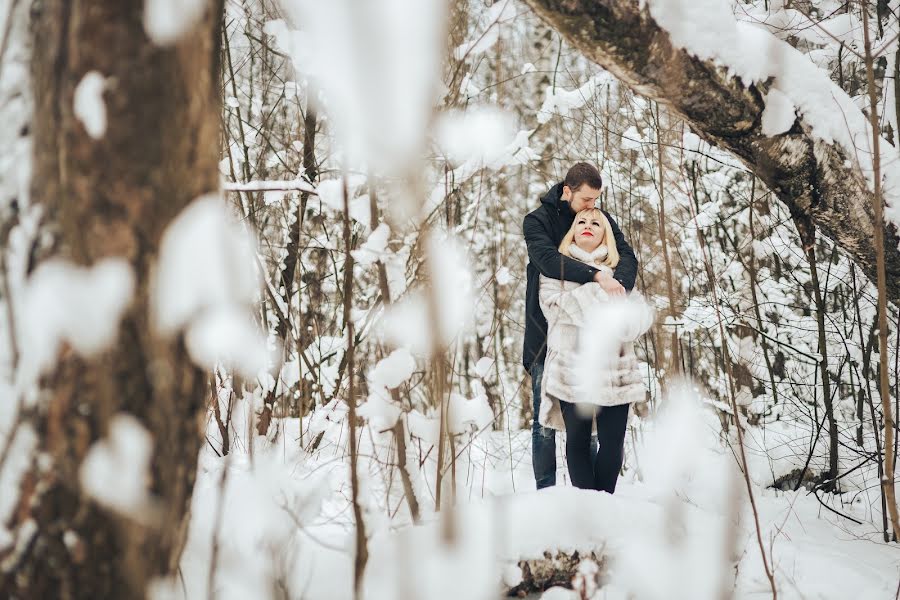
(609, 285)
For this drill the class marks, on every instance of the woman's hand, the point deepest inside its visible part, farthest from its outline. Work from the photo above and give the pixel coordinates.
(609, 285)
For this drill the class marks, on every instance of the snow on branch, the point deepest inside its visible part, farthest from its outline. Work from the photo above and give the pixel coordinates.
(297, 185)
(734, 83)
(205, 280)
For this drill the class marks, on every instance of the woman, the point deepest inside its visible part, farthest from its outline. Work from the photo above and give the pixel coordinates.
(591, 376)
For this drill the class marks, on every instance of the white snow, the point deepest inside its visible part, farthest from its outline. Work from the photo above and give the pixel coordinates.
(374, 248)
(785, 22)
(326, 352)
(405, 323)
(394, 369)
(425, 428)
(560, 593)
(452, 282)
(681, 533)
(205, 282)
(703, 26)
(633, 139)
(689, 554)
(389, 373)
(261, 185)
(481, 44)
(115, 470)
(408, 322)
(166, 21)
(484, 366)
(479, 133)
(691, 141)
(465, 413)
(709, 30)
(468, 88)
(377, 67)
(516, 152)
(79, 306)
(500, 11)
(512, 575)
(227, 335)
(331, 193)
(272, 197)
(675, 529)
(708, 214)
(265, 527)
(380, 410)
(778, 116)
(561, 102)
(89, 106)
(205, 260)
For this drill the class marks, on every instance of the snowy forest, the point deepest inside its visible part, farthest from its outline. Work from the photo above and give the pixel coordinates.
(263, 298)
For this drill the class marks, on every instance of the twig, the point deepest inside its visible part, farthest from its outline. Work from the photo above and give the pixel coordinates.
(887, 480)
(845, 473)
(815, 493)
(812, 449)
(213, 447)
(6, 31)
(399, 429)
(732, 397)
(362, 553)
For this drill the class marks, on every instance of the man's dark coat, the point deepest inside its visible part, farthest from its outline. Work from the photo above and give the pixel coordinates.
(544, 229)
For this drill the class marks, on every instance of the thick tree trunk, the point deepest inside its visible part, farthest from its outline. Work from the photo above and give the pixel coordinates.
(113, 197)
(812, 178)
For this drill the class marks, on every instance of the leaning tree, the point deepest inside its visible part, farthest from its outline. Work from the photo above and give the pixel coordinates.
(818, 181)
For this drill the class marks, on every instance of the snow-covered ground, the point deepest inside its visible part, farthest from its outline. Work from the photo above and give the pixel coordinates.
(679, 525)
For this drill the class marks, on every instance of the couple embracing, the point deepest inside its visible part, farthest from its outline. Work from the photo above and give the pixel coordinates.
(579, 329)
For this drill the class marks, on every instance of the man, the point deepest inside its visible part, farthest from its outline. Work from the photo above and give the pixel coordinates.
(544, 230)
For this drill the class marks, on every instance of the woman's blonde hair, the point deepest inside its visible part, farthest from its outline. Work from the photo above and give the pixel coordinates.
(612, 258)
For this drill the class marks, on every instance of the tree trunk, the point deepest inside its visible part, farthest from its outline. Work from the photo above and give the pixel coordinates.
(113, 197)
(821, 310)
(811, 177)
(361, 555)
(675, 367)
(754, 284)
(884, 285)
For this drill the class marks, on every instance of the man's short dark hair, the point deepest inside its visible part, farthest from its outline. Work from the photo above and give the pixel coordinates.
(583, 173)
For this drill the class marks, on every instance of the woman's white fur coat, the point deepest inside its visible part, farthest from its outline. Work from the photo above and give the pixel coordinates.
(573, 310)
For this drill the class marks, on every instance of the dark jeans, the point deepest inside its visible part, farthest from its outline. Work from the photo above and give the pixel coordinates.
(543, 439)
(586, 470)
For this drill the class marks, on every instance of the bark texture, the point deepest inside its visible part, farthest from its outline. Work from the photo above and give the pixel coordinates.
(113, 197)
(812, 178)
